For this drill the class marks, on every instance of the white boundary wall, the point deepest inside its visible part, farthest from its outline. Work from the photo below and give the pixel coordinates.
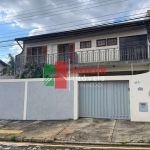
(136, 96)
(30, 99)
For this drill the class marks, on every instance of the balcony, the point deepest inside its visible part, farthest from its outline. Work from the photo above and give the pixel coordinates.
(90, 56)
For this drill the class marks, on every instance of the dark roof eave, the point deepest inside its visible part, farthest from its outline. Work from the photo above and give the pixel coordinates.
(57, 35)
(4, 64)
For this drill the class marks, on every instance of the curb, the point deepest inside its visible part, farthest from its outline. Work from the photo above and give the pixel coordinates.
(51, 141)
(103, 143)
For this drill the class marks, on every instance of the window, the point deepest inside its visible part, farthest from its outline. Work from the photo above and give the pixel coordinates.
(111, 41)
(101, 42)
(66, 52)
(36, 51)
(37, 54)
(85, 44)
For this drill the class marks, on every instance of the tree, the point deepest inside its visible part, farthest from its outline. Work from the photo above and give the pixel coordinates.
(11, 63)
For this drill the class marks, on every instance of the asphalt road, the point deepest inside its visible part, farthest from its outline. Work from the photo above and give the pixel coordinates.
(12, 147)
(25, 146)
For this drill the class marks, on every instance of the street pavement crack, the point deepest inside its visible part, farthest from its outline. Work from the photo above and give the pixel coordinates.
(60, 131)
(113, 137)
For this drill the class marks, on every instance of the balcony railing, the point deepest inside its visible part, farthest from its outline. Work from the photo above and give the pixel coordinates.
(90, 56)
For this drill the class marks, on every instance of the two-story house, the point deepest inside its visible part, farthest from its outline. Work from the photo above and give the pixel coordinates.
(123, 48)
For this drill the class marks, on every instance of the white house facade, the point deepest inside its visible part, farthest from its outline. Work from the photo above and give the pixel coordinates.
(113, 46)
(122, 92)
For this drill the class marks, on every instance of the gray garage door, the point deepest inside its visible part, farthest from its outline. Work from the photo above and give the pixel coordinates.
(104, 100)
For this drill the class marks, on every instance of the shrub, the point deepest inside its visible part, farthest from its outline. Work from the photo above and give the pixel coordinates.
(31, 71)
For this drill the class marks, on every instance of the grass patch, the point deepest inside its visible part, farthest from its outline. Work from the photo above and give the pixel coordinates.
(13, 138)
(123, 143)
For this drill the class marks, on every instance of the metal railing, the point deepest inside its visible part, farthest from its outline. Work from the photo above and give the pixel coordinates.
(90, 56)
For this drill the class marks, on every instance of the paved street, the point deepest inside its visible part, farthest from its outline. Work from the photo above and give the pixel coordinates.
(11, 147)
(83, 130)
(24, 146)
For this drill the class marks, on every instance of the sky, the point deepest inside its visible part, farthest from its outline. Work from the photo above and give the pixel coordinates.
(35, 17)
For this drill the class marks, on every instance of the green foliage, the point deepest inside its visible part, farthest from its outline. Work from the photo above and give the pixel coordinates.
(31, 71)
(4, 70)
(11, 68)
(148, 142)
(123, 143)
(13, 138)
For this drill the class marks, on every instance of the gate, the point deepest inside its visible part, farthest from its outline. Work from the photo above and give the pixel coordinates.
(104, 99)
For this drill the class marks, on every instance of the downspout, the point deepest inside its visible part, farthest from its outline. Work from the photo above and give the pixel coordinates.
(20, 46)
(148, 38)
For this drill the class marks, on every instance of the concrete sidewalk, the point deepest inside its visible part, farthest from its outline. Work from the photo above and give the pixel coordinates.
(86, 130)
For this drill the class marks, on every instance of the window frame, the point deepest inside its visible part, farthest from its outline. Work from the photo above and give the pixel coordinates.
(110, 39)
(85, 44)
(102, 45)
(37, 50)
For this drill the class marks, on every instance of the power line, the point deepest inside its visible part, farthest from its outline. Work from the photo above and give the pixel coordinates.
(9, 45)
(86, 26)
(73, 25)
(54, 9)
(91, 26)
(72, 22)
(43, 7)
(68, 12)
(7, 55)
(6, 41)
(81, 24)
(78, 20)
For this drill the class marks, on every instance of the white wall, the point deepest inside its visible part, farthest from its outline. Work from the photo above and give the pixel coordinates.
(6, 77)
(136, 96)
(47, 104)
(127, 67)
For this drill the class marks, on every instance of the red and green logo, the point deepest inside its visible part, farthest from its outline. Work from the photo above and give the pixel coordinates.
(56, 75)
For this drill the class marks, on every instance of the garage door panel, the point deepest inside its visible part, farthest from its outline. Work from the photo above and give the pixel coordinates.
(104, 99)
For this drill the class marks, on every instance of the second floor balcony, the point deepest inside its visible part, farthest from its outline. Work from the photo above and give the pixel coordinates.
(89, 56)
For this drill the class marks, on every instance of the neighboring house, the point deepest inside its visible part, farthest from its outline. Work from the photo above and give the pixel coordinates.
(2, 66)
(123, 48)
